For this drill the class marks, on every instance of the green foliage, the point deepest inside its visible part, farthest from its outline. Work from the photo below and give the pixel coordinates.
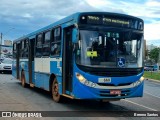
(154, 54)
(152, 75)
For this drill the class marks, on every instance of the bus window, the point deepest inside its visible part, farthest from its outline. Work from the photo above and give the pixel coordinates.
(14, 46)
(39, 46)
(39, 40)
(24, 49)
(47, 37)
(57, 34)
(14, 50)
(55, 48)
(22, 45)
(56, 43)
(46, 45)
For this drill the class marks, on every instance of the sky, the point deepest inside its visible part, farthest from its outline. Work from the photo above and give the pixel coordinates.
(20, 17)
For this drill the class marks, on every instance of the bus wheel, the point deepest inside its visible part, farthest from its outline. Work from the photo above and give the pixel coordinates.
(23, 80)
(55, 94)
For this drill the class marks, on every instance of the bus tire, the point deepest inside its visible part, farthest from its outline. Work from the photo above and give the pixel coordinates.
(55, 94)
(23, 79)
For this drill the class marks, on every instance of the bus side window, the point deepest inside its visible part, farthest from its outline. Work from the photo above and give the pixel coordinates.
(39, 45)
(46, 45)
(25, 54)
(56, 42)
(24, 49)
(14, 50)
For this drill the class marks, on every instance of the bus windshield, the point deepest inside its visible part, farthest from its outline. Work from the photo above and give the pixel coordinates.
(110, 49)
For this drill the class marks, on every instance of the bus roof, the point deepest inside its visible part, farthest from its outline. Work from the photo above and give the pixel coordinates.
(75, 17)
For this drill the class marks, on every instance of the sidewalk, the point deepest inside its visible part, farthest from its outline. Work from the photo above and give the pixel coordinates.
(152, 80)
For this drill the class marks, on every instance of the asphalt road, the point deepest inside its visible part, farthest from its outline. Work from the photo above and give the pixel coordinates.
(13, 97)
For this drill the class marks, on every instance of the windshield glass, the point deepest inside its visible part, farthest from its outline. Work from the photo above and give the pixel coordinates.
(110, 49)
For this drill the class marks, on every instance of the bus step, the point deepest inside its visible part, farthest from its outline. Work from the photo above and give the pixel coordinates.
(68, 96)
(31, 85)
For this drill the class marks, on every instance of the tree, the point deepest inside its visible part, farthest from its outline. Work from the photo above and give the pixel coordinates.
(154, 54)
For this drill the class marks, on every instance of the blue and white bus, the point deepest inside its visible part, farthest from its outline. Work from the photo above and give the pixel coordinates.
(88, 55)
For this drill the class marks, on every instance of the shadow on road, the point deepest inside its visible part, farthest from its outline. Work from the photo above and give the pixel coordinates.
(80, 105)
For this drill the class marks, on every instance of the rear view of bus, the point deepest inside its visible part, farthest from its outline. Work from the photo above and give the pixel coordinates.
(109, 57)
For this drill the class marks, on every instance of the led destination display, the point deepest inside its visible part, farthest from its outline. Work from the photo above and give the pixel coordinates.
(112, 21)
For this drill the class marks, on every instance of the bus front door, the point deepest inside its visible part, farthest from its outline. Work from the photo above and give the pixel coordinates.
(67, 69)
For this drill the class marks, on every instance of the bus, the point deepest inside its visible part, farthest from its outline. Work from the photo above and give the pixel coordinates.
(87, 55)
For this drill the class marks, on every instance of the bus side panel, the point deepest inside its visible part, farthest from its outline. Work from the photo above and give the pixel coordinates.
(39, 80)
(14, 71)
(57, 70)
(24, 66)
(49, 63)
(59, 79)
(26, 76)
(46, 81)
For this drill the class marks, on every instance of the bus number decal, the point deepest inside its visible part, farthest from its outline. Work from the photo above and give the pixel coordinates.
(104, 80)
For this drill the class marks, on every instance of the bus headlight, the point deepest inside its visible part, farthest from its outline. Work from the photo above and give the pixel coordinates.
(138, 82)
(80, 77)
(84, 81)
(141, 79)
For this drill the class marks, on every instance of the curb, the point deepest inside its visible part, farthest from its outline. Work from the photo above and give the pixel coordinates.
(152, 80)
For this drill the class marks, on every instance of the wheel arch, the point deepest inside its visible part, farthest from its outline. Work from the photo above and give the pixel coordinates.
(51, 79)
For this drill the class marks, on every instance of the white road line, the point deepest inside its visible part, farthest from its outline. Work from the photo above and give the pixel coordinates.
(152, 95)
(141, 105)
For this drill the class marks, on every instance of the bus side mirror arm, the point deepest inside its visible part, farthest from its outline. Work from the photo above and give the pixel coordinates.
(75, 47)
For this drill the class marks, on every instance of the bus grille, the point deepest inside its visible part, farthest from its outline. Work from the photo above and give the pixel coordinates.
(111, 72)
(108, 84)
(116, 73)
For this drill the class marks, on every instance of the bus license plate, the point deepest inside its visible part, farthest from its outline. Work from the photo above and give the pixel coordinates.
(115, 92)
(104, 80)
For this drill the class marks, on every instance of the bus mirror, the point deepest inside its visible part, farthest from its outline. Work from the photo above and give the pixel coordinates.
(100, 40)
(79, 44)
(75, 47)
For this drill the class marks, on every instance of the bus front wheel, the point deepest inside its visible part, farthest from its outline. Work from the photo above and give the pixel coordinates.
(55, 94)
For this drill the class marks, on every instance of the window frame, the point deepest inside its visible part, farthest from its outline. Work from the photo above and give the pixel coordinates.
(39, 46)
(24, 48)
(56, 39)
(48, 44)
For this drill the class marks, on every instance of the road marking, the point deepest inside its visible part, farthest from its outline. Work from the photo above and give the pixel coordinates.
(141, 105)
(152, 95)
(154, 82)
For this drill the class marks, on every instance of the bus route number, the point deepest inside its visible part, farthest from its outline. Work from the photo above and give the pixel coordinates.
(104, 80)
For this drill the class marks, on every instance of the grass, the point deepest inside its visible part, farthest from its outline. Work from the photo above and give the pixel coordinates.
(152, 75)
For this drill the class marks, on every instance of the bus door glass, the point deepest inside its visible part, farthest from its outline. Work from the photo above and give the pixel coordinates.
(67, 61)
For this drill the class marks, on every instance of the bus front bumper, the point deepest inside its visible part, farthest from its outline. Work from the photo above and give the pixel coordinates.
(82, 91)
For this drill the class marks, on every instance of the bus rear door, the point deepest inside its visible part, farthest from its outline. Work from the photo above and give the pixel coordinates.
(17, 60)
(31, 62)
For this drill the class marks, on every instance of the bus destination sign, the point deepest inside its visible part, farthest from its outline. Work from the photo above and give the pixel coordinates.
(111, 21)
